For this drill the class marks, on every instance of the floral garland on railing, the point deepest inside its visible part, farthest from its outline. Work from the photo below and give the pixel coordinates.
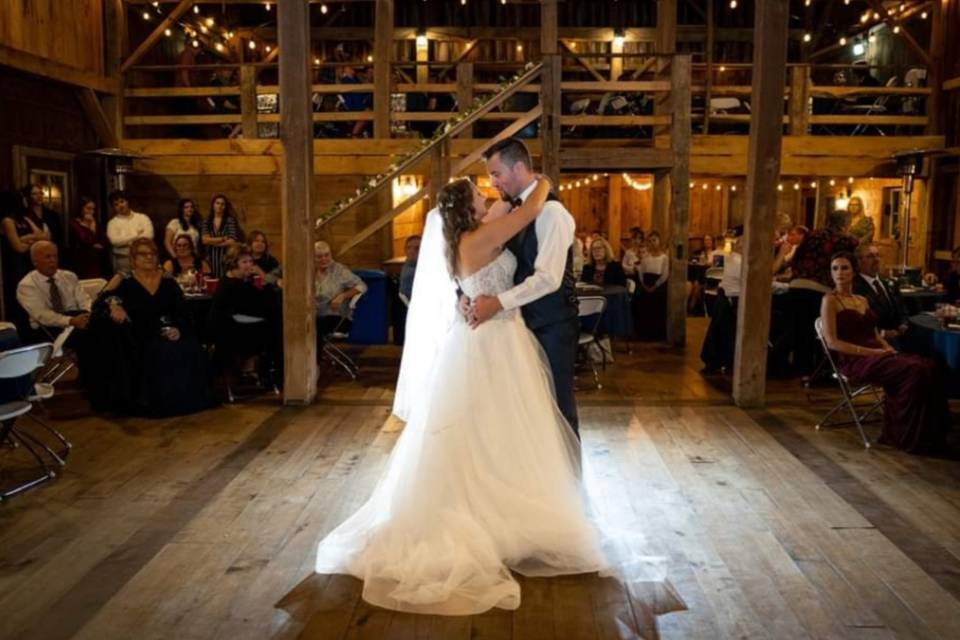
(371, 184)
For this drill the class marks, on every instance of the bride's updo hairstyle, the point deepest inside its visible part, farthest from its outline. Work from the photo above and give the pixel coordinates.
(455, 202)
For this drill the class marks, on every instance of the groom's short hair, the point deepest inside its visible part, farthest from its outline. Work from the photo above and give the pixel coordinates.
(511, 151)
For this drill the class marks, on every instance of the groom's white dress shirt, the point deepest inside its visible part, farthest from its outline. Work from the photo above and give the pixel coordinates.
(556, 229)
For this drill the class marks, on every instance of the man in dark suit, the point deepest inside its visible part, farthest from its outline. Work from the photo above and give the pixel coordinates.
(883, 296)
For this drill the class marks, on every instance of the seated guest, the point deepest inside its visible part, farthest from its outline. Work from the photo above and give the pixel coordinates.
(238, 295)
(411, 249)
(335, 286)
(916, 417)
(52, 297)
(263, 261)
(720, 341)
(883, 297)
(601, 268)
(187, 223)
(650, 299)
(786, 249)
(91, 249)
(185, 258)
(21, 228)
(149, 360)
(124, 227)
(810, 269)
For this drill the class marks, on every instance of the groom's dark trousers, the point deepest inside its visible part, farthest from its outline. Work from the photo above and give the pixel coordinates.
(559, 341)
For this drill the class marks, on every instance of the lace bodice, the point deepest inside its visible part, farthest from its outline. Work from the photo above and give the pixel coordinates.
(492, 279)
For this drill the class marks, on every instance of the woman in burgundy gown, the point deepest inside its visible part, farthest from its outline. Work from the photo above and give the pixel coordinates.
(916, 417)
(91, 255)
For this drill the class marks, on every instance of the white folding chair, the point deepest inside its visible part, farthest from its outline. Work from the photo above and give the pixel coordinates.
(333, 352)
(17, 363)
(849, 393)
(93, 286)
(592, 306)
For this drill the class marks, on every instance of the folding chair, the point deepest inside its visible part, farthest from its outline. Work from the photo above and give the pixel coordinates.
(592, 307)
(878, 107)
(232, 397)
(17, 363)
(848, 392)
(333, 352)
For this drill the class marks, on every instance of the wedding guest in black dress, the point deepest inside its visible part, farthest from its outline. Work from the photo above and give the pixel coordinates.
(916, 417)
(185, 258)
(21, 228)
(91, 249)
(650, 300)
(245, 317)
(149, 360)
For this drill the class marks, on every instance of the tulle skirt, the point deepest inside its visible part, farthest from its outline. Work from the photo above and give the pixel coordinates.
(484, 479)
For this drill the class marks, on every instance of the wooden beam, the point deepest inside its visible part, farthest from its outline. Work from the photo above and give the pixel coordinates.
(666, 44)
(616, 61)
(98, 119)
(679, 203)
(474, 156)
(799, 84)
(423, 57)
(660, 205)
(439, 168)
(615, 121)
(952, 84)
(382, 59)
(551, 99)
(182, 7)
(384, 220)
(614, 206)
(582, 61)
(248, 101)
(766, 132)
(936, 70)
(859, 30)
(45, 68)
(465, 92)
(115, 45)
(624, 159)
(296, 135)
(458, 60)
(709, 88)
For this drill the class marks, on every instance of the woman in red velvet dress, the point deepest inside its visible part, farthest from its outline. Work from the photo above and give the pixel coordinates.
(915, 417)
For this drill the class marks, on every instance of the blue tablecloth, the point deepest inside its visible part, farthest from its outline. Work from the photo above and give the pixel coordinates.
(617, 320)
(928, 339)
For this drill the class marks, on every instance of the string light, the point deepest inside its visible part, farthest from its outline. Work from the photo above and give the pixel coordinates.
(833, 182)
(779, 187)
(203, 29)
(146, 16)
(807, 37)
(850, 180)
(872, 38)
(369, 58)
(723, 68)
(195, 43)
(796, 186)
(719, 187)
(705, 185)
(323, 9)
(733, 4)
(167, 32)
(196, 9)
(316, 61)
(923, 15)
(252, 45)
(733, 187)
(843, 41)
(210, 22)
(267, 48)
(218, 46)
(692, 185)
(806, 3)
(896, 29)
(813, 184)
(637, 186)
(266, 5)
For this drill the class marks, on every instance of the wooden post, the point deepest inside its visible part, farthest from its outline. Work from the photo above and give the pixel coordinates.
(660, 215)
(799, 99)
(439, 169)
(550, 96)
(115, 42)
(709, 91)
(679, 202)
(616, 61)
(465, 92)
(614, 205)
(296, 137)
(423, 55)
(175, 14)
(382, 58)
(666, 44)
(935, 80)
(763, 172)
(248, 101)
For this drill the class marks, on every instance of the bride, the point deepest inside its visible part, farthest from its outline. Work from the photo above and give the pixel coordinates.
(484, 479)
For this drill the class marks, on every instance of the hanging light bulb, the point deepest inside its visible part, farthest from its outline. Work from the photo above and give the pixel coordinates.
(316, 61)
(146, 16)
(421, 39)
(806, 3)
(267, 48)
(858, 48)
(719, 187)
(251, 45)
(167, 32)
(323, 9)
(864, 17)
(796, 186)
(723, 68)
(813, 184)
(704, 186)
(519, 47)
(203, 29)
(843, 41)
(370, 58)
(196, 9)
(733, 4)
(218, 46)
(618, 38)
(195, 43)
(923, 15)
(850, 180)
(733, 187)
(807, 37)
(896, 29)
(692, 185)
(779, 187)
(833, 182)
(230, 35)
(266, 5)
(210, 22)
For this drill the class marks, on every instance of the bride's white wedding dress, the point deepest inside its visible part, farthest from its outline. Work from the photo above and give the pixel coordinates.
(483, 480)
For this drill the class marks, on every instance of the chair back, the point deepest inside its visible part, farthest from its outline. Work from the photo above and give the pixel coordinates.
(61, 340)
(818, 327)
(591, 307)
(23, 361)
(93, 286)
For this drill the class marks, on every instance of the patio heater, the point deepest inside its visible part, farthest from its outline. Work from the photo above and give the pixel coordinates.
(909, 164)
(119, 163)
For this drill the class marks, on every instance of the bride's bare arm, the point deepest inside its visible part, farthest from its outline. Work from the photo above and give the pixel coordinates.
(487, 237)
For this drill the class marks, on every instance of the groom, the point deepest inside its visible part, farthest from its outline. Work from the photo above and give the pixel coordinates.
(544, 284)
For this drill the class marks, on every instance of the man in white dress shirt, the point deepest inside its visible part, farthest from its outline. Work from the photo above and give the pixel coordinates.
(545, 288)
(123, 228)
(52, 297)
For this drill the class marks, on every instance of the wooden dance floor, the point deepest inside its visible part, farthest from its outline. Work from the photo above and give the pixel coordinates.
(205, 527)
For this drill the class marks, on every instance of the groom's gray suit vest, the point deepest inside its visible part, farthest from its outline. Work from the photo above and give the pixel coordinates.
(559, 306)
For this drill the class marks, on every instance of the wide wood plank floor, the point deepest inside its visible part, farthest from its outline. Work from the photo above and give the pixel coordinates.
(204, 527)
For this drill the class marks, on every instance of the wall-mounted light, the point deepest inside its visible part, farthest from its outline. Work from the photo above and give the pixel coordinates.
(618, 38)
(421, 38)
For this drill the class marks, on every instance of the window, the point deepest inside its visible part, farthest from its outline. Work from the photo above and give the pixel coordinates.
(890, 223)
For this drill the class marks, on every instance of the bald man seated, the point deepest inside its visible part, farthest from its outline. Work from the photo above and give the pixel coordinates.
(52, 297)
